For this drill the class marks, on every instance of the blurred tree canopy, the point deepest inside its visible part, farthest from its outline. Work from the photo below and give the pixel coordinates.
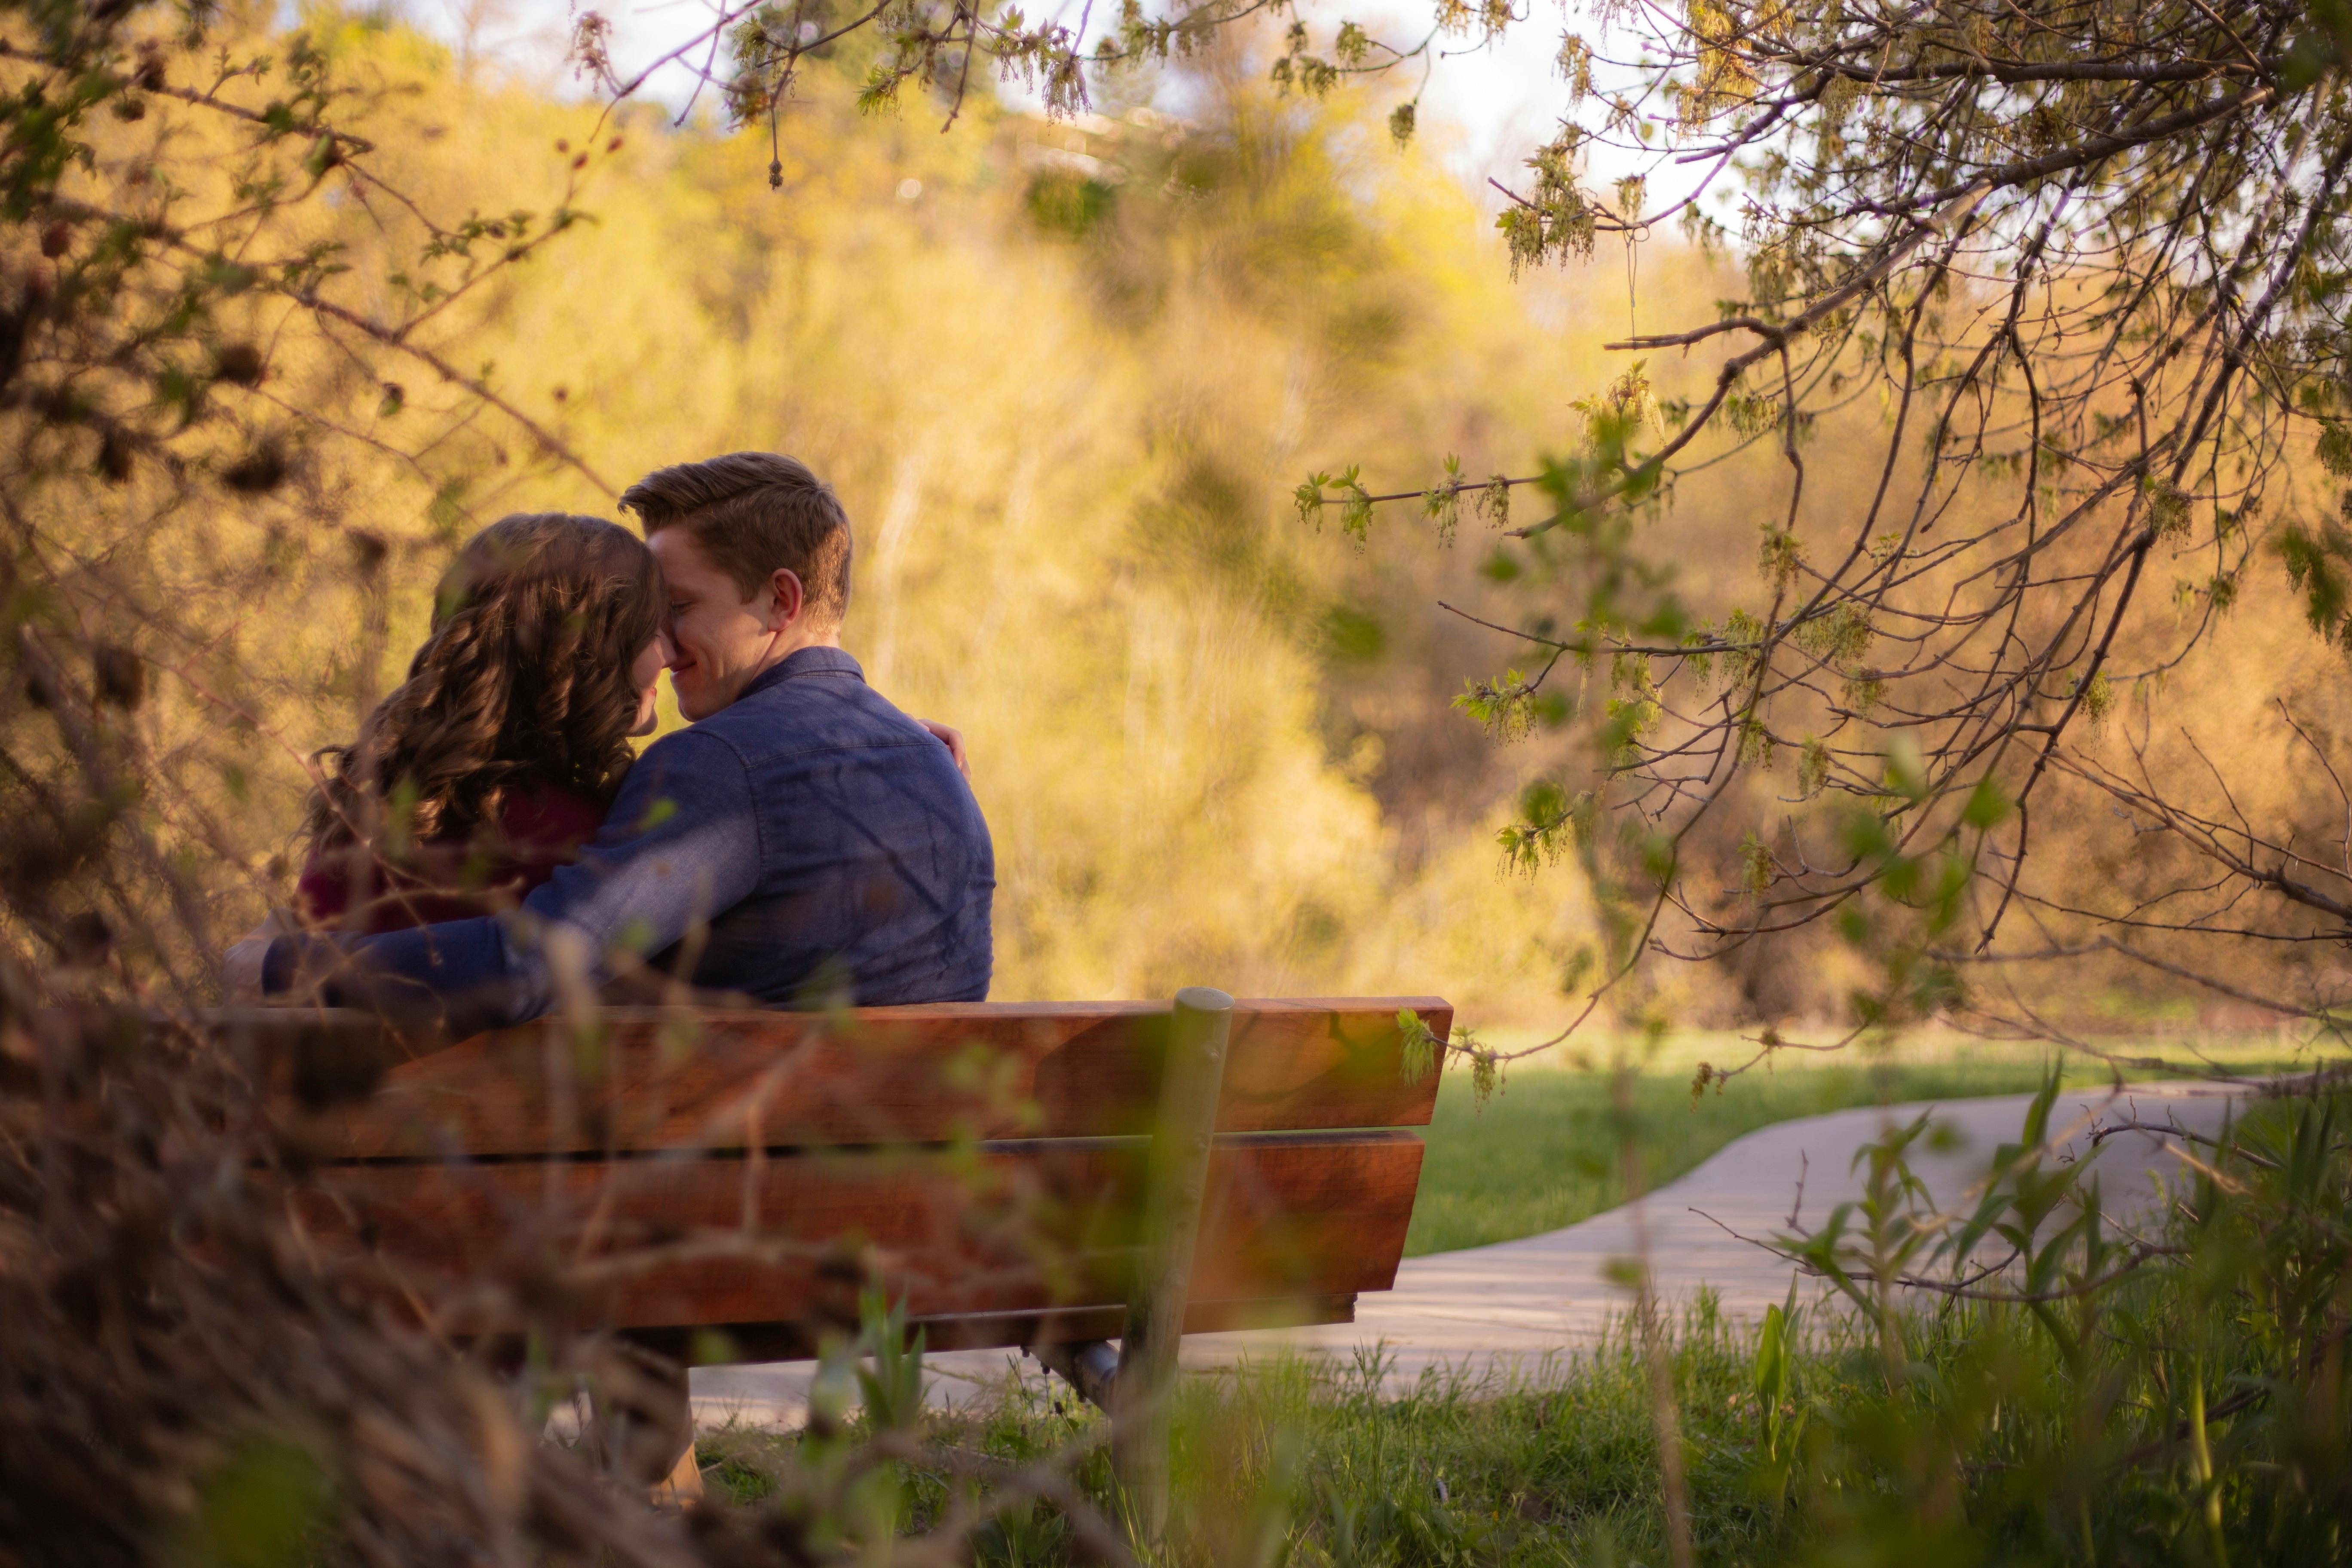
(2066, 280)
(2088, 263)
(1057, 369)
(2024, 313)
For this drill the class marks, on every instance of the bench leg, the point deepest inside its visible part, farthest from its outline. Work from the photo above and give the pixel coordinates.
(641, 1426)
(683, 1488)
(1090, 1366)
(1144, 1393)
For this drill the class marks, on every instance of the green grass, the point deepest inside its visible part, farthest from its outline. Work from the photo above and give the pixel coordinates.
(1307, 1462)
(1544, 1152)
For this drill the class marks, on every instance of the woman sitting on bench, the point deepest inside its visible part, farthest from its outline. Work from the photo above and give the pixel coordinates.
(494, 762)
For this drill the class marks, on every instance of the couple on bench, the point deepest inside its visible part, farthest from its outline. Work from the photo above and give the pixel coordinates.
(487, 840)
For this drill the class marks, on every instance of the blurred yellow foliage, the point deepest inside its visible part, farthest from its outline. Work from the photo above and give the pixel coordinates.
(1067, 376)
(1063, 376)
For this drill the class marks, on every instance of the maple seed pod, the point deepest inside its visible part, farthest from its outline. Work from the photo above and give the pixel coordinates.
(41, 684)
(241, 364)
(85, 939)
(368, 551)
(259, 470)
(120, 675)
(114, 458)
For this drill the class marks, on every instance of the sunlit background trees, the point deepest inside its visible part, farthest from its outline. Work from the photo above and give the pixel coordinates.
(1061, 371)
(1068, 372)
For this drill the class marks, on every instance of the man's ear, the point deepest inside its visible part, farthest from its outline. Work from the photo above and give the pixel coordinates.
(789, 599)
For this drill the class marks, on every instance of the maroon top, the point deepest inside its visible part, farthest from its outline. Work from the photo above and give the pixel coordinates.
(541, 826)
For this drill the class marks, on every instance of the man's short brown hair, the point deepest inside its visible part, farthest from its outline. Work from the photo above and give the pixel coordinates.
(753, 513)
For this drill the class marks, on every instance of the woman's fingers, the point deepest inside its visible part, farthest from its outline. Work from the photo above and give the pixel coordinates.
(953, 740)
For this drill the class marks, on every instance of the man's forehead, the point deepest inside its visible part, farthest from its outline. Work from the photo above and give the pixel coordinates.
(679, 552)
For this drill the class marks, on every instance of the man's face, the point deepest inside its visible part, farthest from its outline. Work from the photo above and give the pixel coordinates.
(722, 638)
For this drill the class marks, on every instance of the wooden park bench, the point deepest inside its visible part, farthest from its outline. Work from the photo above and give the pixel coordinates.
(1052, 1176)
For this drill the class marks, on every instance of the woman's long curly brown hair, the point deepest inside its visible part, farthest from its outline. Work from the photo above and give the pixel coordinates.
(525, 672)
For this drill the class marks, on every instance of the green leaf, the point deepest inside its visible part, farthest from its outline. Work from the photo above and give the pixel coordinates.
(1989, 804)
(893, 1386)
(1352, 636)
(260, 1509)
(1419, 1046)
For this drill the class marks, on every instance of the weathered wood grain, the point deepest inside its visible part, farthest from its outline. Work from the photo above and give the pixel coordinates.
(648, 1079)
(1007, 1228)
(1183, 1144)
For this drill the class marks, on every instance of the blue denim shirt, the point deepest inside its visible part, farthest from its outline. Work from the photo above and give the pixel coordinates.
(817, 843)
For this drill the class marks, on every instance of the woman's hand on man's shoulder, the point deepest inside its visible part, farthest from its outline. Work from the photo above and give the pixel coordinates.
(953, 740)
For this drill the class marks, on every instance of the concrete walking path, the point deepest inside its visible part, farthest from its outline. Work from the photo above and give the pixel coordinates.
(1504, 1307)
(1502, 1311)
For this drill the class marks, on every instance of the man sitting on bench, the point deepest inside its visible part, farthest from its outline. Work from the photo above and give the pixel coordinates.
(804, 843)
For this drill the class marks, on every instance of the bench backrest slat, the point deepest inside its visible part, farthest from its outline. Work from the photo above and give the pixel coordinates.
(1297, 1215)
(656, 1079)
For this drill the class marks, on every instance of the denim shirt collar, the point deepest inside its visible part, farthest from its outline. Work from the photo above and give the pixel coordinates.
(804, 661)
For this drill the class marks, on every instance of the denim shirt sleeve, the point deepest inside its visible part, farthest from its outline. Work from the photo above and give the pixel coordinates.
(680, 845)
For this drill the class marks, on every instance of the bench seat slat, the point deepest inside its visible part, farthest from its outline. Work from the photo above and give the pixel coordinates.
(987, 1330)
(1003, 1229)
(674, 1080)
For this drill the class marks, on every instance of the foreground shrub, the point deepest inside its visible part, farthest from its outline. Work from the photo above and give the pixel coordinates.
(2023, 1381)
